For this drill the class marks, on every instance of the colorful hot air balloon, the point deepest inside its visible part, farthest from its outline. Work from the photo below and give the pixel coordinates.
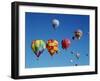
(52, 46)
(55, 23)
(77, 34)
(38, 47)
(65, 43)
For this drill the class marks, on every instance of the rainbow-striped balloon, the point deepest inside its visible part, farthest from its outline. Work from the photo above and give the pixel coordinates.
(38, 46)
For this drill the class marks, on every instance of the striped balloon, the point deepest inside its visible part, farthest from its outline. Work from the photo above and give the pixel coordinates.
(38, 46)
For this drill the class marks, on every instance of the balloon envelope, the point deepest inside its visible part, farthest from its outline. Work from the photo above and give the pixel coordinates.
(77, 55)
(38, 47)
(71, 60)
(78, 34)
(55, 23)
(65, 43)
(52, 46)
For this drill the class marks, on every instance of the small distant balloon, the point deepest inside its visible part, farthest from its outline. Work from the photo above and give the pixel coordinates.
(38, 46)
(55, 23)
(76, 64)
(72, 52)
(65, 43)
(77, 34)
(77, 55)
(71, 60)
(52, 46)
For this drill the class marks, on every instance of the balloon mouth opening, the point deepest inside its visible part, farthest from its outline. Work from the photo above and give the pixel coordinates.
(39, 53)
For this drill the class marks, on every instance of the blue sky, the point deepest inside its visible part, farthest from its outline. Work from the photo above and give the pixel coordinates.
(39, 26)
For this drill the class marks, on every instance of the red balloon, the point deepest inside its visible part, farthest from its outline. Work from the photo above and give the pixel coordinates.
(65, 43)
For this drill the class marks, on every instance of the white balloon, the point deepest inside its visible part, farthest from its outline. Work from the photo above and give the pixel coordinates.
(55, 23)
(77, 55)
(71, 60)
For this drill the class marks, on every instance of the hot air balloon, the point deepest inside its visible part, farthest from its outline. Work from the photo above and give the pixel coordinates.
(55, 23)
(65, 43)
(52, 46)
(38, 47)
(71, 60)
(77, 34)
(77, 55)
(76, 64)
(72, 52)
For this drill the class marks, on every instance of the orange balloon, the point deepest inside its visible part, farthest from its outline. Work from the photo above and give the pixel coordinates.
(52, 46)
